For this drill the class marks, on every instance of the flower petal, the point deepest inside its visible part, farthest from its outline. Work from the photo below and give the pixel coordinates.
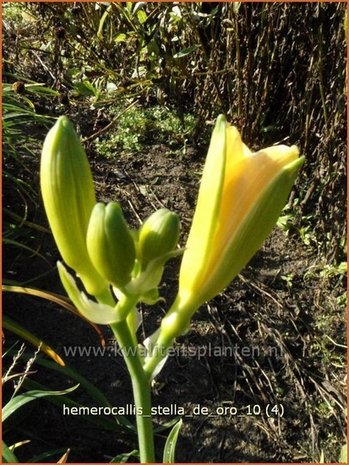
(234, 250)
(207, 208)
(236, 150)
(244, 184)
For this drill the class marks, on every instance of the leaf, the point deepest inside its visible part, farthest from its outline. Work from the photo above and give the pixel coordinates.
(92, 391)
(25, 247)
(64, 457)
(123, 458)
(71, 373)
(18, 401)
(56, 298)
(40, 458)
(28, 336)
(99, 421)
(97, 313)
(101, 23)
(121, 37)
(142, 16)
(85, 88)
(7, 455)
(89, 388)
(167, 425)
(170, 446)
(185, 51)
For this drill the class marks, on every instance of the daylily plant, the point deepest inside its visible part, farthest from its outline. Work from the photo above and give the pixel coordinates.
(240, 199)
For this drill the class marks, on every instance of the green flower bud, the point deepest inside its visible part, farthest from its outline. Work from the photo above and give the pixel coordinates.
(158, 236)
(69, 196)
(110, 243)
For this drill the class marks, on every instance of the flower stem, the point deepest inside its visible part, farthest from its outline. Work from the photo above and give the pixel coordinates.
(174, 324)
(160, 351)
(141, 386)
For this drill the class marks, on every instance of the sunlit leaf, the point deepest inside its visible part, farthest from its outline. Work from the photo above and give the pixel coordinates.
(170, 446)
(7, 455)
(18, 401)
(28, 336)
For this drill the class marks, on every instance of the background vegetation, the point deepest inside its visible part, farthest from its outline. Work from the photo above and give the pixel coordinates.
(142, 78)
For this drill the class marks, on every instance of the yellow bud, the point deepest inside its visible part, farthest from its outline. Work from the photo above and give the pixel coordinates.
(110, 243)
(158, 236)
(68, 194)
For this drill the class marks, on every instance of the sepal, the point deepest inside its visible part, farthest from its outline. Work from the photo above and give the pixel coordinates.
(101, 314)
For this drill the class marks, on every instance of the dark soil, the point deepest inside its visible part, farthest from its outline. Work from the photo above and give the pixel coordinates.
(281, 340)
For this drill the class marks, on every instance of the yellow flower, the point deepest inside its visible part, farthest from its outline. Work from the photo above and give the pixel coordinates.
(240, 199)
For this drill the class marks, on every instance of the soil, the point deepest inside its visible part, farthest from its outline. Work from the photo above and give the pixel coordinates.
(280, 327)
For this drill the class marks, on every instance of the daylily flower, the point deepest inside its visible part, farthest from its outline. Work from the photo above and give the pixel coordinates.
(240, 199)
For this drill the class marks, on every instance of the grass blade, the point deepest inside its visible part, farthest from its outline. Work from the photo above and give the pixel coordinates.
(18, 401)
(28, 336)
(7, 455)
(123, 458)
(170, 446)
(57, 299)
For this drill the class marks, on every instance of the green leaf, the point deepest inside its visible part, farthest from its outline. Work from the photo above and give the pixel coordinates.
(90, 389)
(101, 23)
(85, 88)
(120, 37)
(167, 425)
(47, 455)
(68, 371)
(7, 455)
(25, 247)
(170, 446)
(185, 51)
(100, 421)
(142, 16)
(18, 401)
(123, 458)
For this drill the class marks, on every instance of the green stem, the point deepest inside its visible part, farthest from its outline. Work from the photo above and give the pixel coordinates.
(162, 345)
(141, 385)
(171, 328)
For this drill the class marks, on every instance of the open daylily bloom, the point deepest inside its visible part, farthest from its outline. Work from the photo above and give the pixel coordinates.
(240, 199)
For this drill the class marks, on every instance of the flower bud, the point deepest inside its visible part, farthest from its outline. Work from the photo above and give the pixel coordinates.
(69, 196)
(240, 199)
(110, 243)
(158, 235)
